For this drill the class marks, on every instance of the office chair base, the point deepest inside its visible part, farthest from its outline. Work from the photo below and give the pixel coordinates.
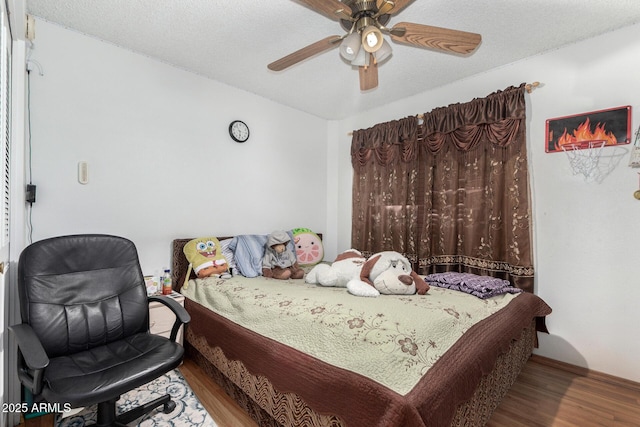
(107, 411)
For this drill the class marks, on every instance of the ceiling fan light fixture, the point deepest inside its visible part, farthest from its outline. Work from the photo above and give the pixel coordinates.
(350, 46)
(362, 60)
(372, 39)
(384, 52)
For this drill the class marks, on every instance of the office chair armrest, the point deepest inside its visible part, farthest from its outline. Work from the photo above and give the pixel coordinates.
(32, 355)
(182, 317)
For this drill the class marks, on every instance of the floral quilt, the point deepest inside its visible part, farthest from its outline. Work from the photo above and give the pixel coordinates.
(392, 339)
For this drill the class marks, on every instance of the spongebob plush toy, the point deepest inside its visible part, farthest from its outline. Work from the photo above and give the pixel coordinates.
(205, 258)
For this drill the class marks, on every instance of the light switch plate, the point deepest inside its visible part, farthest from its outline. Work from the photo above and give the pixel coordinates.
(83, 172)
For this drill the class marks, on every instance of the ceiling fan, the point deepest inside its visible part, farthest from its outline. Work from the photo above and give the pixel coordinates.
(364, 45)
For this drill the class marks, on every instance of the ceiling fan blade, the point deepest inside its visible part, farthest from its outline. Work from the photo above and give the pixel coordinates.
(384, 7)
(369, 76)
(328, 8)
(304, 53)
(399, 5)
(435, 37)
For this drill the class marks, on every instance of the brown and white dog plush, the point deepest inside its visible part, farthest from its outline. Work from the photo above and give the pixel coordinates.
(347, 266)
(386, 272)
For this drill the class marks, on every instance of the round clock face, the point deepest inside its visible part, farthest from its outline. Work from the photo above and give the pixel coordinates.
(239, 131)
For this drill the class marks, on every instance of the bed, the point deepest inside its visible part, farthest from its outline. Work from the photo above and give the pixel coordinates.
(293, 369)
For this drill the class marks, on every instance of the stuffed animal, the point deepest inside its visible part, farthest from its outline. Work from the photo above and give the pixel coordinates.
(279, 261)
(309, 250)
(205, 258)
(346, 266)
(386, 272)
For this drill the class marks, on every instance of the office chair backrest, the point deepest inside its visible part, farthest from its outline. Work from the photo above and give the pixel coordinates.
(79, 292)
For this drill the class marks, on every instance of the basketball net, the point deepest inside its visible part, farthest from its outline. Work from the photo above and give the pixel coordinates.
(584, 156)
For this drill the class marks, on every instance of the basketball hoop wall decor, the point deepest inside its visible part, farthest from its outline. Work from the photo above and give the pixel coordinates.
(582, 138)
(634, 158)
(601, 128)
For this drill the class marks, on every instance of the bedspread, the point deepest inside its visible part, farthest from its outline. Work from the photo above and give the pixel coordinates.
(393, 339)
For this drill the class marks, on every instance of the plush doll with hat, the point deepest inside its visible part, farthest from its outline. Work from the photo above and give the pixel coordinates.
(279, 261)
(205, 258)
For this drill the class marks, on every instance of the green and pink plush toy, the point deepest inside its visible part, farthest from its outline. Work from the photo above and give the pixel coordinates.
(309, 249)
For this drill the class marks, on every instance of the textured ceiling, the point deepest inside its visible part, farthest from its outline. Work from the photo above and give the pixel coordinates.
(232, 41)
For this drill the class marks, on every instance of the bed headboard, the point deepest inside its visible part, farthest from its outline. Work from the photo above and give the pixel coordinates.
(179, 263)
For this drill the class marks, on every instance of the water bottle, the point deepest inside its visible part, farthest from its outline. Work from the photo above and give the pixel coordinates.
(166, 282)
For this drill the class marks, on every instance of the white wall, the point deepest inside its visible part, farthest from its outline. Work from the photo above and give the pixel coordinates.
(586, 233)
(161, 162)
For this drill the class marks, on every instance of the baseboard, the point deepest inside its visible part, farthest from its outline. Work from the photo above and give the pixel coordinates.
(586, 372)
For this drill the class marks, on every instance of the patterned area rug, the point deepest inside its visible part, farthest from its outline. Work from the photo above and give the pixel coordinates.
(189, 411)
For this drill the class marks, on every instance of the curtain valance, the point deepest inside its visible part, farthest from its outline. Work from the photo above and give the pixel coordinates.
(385, 143)
(495, 119)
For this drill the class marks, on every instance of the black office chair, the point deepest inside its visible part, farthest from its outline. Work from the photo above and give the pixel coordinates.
(84, 337)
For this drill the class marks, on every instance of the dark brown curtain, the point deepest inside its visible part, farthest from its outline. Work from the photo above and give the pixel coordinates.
(450, 193)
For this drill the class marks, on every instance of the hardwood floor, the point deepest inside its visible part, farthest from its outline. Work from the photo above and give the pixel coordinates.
(545, 394)
(549, 393)
(220, 406)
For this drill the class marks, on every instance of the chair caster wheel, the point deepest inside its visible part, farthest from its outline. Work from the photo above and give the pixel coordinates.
(169, 407)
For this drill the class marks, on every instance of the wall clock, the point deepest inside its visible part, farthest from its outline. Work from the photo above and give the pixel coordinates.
(239, 131)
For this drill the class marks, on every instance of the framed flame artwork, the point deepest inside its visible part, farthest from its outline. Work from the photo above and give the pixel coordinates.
(613, 126)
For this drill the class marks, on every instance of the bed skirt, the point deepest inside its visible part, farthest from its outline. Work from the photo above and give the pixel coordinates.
(270, 408)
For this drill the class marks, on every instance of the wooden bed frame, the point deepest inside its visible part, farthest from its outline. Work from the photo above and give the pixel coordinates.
(270, 407)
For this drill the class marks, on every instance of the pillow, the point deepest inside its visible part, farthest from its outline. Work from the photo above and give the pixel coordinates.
(206, 253)
(248, 251)
(228, 253)
(308, 247)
